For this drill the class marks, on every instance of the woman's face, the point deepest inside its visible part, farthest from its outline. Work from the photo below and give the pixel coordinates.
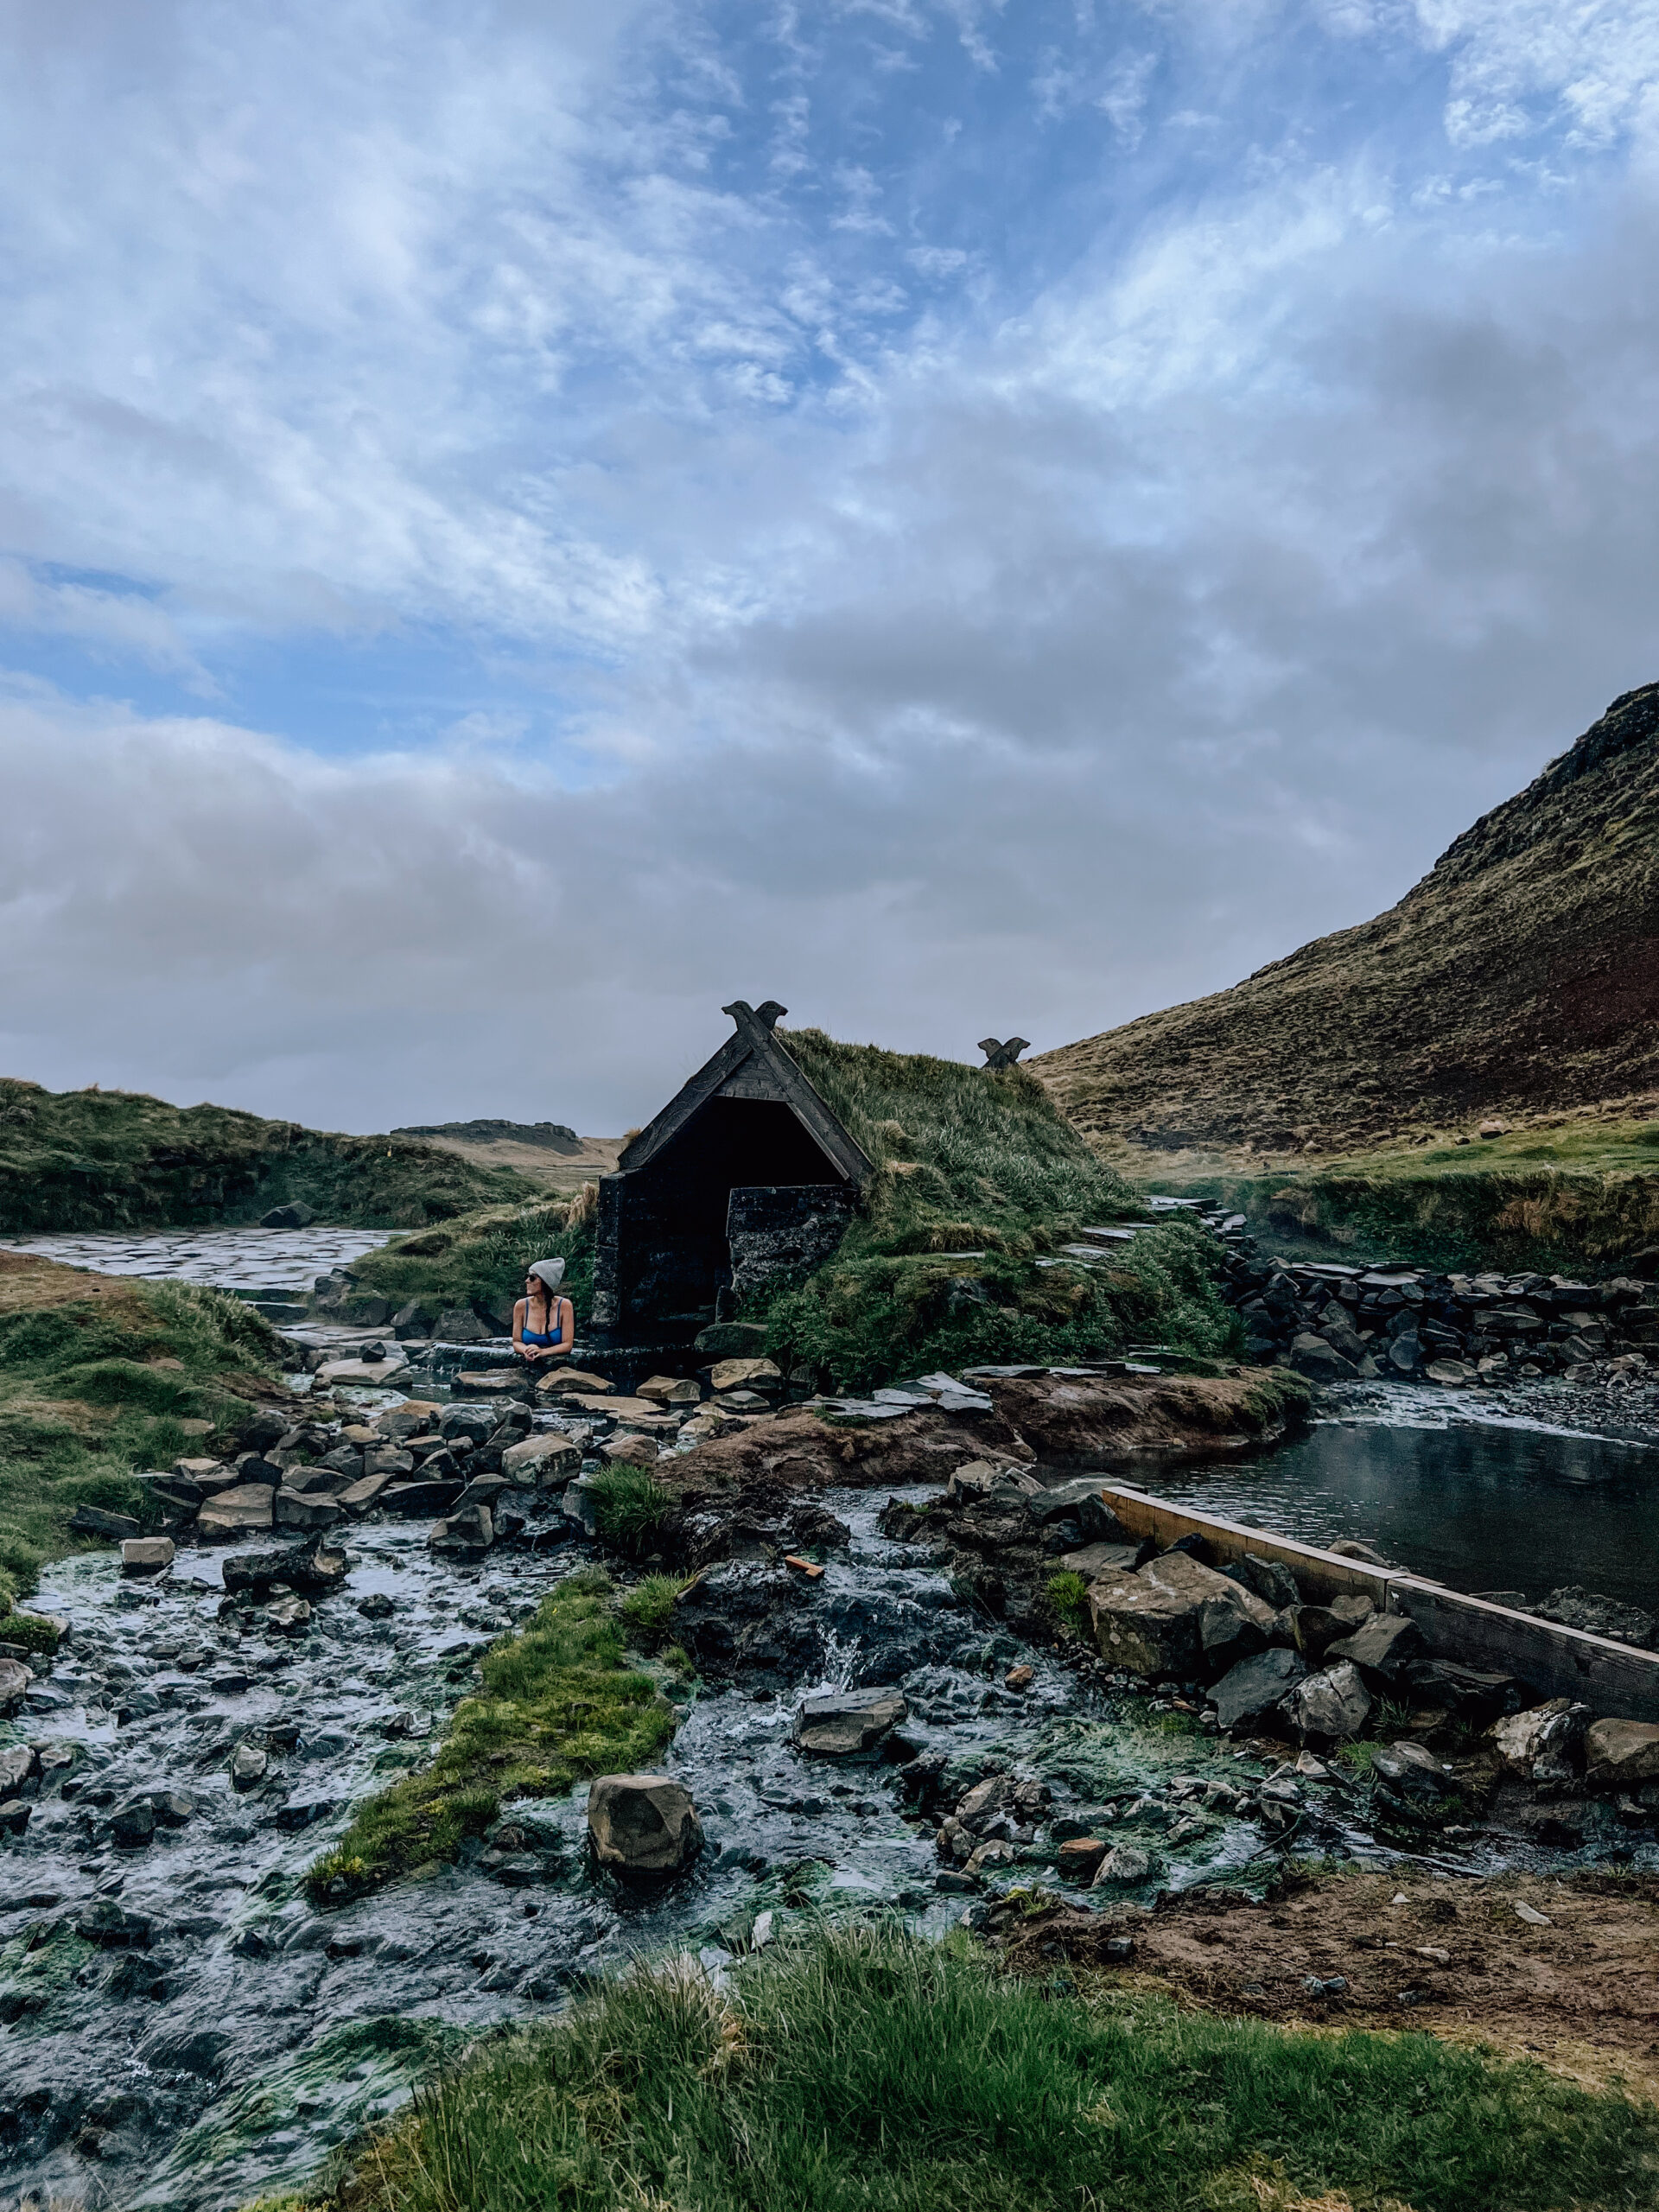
(533, 1284)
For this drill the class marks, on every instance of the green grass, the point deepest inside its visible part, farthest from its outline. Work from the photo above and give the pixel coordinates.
(97, 1378)
(480, 1259)
(119, 1159)
(969, 1162)
(630, 1507)
(1581, 1195)
(559, 1703)
(862, 2068)
(1066, 1600)
(648, 1608)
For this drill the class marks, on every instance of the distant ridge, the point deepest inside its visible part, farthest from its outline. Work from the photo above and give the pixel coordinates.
(553, 1134)
(1519, 978)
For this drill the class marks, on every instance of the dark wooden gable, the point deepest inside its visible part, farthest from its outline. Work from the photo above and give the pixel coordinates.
(751, 1063)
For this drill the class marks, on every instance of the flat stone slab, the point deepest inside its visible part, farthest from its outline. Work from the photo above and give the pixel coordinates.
(847, 1721)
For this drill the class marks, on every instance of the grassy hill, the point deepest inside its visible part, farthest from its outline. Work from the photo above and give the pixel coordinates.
(120, 1160)
(954, 1258)
(1518, 982)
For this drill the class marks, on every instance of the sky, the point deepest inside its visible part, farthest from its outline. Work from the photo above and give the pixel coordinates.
(521, 523)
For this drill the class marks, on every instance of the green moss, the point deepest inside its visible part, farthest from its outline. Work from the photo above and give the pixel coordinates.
(73, 1427)
(118, 1160)
(558, 1702)
(862, 2067)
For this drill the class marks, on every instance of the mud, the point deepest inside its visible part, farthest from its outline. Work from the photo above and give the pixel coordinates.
(1454, 1957)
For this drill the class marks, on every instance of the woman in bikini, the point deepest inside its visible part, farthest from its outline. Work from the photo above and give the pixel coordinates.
(543, 1323)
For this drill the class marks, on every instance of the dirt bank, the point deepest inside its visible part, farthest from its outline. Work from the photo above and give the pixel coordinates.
(1578, 1991)
(1063, 1420)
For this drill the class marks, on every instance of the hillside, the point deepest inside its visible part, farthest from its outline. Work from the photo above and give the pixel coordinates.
(1518, 981)
(543, 1152)
(119, 1159)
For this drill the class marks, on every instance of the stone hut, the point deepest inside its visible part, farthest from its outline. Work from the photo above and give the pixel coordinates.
(745, 1176)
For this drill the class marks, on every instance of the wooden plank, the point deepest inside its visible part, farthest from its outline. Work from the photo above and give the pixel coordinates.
(1321, 1576)
(1616, 1680)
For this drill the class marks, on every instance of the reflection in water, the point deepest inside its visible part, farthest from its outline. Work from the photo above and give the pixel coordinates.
(1477, 1507)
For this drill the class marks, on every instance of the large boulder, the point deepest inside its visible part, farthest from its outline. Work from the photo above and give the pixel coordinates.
(847, 1721)
(1151, 1621)
(1081, 1501)
(295, 1215)
(458, 1324)
(466, 1532)
(1411, 1772)
(1235, 1627)
(146, 1554)
(1621, 1754)
(15, 1680)
(1256, 1687)
(1546, 1743)
(1321, 1362)
(541, 1462)
(642, 1824)
(235, 1512)
(1330, 1705)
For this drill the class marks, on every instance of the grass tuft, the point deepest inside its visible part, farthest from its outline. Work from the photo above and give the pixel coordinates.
(557, 1703)
(630, 1506)
(862, 2067)
(648, 1608)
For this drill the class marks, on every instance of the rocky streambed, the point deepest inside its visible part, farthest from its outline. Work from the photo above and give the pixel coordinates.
(885, 1713)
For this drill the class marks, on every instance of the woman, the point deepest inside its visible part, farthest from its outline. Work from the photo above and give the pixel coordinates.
(543, 1323)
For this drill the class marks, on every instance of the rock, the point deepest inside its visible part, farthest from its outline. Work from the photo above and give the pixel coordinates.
(1076, 1860)
(292, 1508)
(1411, 1771)
(413, 1322)
(413, 1418)
(732, 1340)
(470, 1530)
(847, 1721)
(1320, 1361)
(1493, 1129)
(14, 1814)
(248, 1766)
(93, 1521)
(234, 1512)
(388, 1459)
(468, 1424)
(357, 1498)
(420, 1498)
(458, 1324)
(1351, 1547)
(288, 1616)
(1150, 1621)
(762, 1374)
(1330, 1705)
(1449, 1371)
(254, 1467)
(542, 1461)
(1235, 1627)
(1272, 1581)
(1123, 1867)
(295, 1215)
(1386, 1645)
(1256, 1687)
(494, 1384)
(313, 1566)
(14, 1680)
(1617, 1754)
(17, 1765)
(105, 1922)
(132, 1825)
(146, 1554)
(1095, 1560)
(1405, 1353)
(1081, 1502)
(1597, 1616)
(1546, 1744)
(573, 1381)
(483, 1490)
(303, 1810)
(671, 1391)
(630, 1451)
(642, 1824)
(201, 2051)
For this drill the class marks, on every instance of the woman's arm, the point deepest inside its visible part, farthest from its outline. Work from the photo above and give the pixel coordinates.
(519, 1312)
(564, 1329)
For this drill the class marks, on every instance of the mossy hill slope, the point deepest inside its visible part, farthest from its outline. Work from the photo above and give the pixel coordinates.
(119, 1159)
(1519, 979)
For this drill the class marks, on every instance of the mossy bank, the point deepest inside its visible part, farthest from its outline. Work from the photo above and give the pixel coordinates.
(79, 1159)
(98, 1375)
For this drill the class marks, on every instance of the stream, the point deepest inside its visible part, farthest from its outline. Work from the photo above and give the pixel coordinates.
(181, 2031)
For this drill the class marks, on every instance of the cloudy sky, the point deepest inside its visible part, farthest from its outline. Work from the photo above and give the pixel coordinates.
(521, 522)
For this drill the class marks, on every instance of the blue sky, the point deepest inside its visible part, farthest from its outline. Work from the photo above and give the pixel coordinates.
(520, 522)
